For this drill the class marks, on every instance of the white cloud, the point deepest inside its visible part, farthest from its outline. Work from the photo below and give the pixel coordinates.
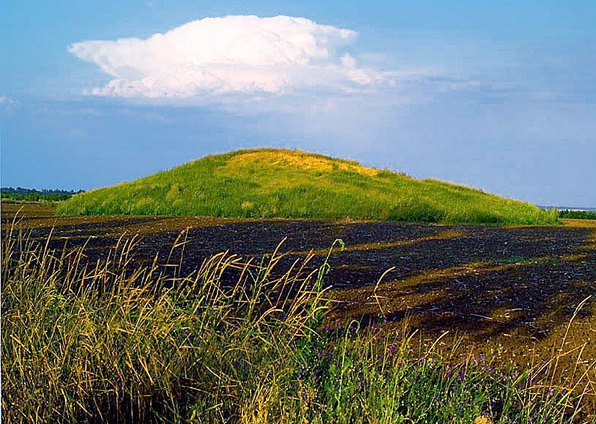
(7, 104)
(231, 55)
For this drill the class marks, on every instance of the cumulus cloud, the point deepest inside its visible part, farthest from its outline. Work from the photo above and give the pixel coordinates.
(231, 55)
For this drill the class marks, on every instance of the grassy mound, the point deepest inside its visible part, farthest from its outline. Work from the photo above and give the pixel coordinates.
(267, 183)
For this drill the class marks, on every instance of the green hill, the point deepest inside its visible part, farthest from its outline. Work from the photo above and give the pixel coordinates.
(293, 184)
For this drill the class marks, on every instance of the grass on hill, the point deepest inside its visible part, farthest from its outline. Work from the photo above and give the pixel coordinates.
(105, 343)
(268, 183)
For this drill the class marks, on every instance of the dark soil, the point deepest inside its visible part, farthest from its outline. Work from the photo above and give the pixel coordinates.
(507, 289)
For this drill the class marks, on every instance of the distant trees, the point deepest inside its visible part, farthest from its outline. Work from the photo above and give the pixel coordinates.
(33, 195)
(577, 214)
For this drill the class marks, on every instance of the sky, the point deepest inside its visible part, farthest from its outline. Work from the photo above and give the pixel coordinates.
(494, 94)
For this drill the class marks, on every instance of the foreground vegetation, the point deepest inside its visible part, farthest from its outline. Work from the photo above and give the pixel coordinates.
(236, 341)
(292, 184)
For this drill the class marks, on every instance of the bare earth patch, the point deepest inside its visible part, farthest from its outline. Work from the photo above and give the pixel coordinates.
(508, 290)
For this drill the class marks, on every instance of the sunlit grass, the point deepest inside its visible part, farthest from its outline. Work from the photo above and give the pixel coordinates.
(236, 341)
(266, 183)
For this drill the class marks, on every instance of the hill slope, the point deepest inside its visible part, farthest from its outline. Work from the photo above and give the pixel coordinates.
(294, 184)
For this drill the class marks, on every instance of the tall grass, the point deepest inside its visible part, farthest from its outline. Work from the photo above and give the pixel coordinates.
(267, 183)
(108, 342)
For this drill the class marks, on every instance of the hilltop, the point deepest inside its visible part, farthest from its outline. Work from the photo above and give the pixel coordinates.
(273, 183)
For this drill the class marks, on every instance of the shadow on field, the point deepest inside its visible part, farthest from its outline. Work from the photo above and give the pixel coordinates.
(483, 299)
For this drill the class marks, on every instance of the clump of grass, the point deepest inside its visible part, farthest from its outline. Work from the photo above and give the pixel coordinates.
(271, 183)
(99, 342)
(110, 342)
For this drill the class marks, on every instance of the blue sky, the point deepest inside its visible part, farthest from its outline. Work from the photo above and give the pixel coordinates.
(499, 95)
